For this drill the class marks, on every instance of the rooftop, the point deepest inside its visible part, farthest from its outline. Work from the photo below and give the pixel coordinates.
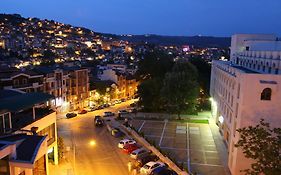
(24, 101)
(27, 147)
(244, 69)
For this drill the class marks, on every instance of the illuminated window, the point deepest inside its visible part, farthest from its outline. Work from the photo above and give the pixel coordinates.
(266, 94)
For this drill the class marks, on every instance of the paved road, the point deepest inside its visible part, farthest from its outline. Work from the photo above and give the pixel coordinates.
(104, 158)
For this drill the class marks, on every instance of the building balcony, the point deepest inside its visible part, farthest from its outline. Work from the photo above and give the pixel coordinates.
(24, 118)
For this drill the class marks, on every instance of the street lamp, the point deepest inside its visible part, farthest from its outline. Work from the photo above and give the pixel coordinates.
(93, 143)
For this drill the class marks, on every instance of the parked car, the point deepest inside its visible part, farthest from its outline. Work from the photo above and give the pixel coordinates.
(92, 109)
(139, 153)
(71, 115)
(100, 107)
(141, 161)
(108, 114)
(97, 117)
(106, 105)
(98, 120)
(123, 112)
(150, 166)
(123, 100)
(163, 171)
(83, 111)
(129, 148)
(117, 133)
(123, 142)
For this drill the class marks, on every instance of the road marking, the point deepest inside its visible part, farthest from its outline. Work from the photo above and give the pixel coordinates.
(166, 121)
(141, 126)
(205, 164)
(169, 137)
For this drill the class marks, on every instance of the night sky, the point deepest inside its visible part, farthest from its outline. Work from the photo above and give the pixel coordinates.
(164, 17)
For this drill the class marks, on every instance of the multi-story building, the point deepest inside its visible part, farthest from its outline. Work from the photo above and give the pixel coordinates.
(24, 118)
(26, 81)
(55, 80)
(77, 87)
(246, 89)
(126, 83)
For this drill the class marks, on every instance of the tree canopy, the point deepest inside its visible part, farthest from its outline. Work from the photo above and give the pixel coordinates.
(180, 89)
(263, 145)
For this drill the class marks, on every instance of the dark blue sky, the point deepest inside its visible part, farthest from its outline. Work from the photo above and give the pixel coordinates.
(165, 17)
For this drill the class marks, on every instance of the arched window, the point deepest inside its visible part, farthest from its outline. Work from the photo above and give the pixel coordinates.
(266, 94)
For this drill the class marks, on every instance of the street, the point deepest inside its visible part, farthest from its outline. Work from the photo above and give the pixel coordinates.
(92, 149)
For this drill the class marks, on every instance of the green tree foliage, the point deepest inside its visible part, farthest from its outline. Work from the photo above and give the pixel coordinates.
(152, 70)
(263, 145)
(180, 89)
(60, 148)
(149, 92)
(204, 73)
(155, 65)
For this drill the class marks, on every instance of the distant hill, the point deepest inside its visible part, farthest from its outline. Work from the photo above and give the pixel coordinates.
(198, 41)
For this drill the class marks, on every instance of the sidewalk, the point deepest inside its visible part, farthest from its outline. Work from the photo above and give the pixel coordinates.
(64, 167)
(221, 147)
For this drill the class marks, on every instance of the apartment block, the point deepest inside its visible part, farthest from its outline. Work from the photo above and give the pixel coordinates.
(246, 89)
(29, 117)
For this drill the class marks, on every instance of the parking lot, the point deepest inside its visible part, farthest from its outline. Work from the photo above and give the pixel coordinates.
(189, 143)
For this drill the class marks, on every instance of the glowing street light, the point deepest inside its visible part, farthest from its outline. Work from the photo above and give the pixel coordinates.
(93, 143)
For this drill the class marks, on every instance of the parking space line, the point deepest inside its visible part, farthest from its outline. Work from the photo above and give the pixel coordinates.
(168, 137)
(185, 149)
(205, 164)
(166, 121)
(141, 125)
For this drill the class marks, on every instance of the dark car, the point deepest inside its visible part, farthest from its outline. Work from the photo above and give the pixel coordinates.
(97, 117)
(117, 133)
(108, 114)
(163, 171)
(106, 105)
(141, 161)
(99, 122)
(100, 107)
(71, 115)
(83, 111)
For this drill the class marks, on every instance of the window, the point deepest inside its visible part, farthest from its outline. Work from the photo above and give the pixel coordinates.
(24, 81)
(49, 132)
(266, 94)
(16, 82)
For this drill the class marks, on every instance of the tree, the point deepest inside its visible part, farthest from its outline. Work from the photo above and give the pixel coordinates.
(149, 93)
(151, 72)
(60, 148)
(263, 145)
(155, 65)
(180, 89)
(204, 73)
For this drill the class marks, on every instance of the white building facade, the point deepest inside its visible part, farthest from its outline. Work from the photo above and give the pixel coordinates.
(246, 89)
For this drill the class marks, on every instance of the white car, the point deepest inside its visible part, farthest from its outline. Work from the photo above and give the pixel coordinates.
(150, 166)
(139, 153)
(123, 142)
